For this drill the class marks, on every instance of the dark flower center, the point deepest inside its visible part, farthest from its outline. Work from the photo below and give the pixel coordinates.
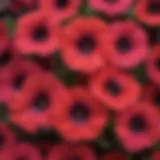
(113, 87)
(123, 45)
(79, 112)
(154, 7)
(2, 141)
(40, 33)
(156, 99)
(5, 58)
(86, 44)
(157, 64)
(18, 82)
(74, 158)
(41, 101)
(61, 4)
(138, 124)
(110, 1)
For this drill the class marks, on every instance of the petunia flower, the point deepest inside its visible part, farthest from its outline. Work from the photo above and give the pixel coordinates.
(127, 44)
(156, 155)
(81, 151)
(114, 156)
(81, 44)
(36, 33)
(7, 138)
(13, 76)
(19, 7)
(148, 12)
(138, 127)
(151, 95)
(32, 106)
(153, 65)
(4, 37)
(61, 9)
(111, 7)
(114, 88)
(77, 116)
(22, 151)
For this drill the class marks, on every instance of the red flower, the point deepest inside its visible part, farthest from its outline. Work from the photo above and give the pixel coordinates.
(13, 77)
(125, 51)
(64, 151)
(27, 3)
(22, 151)
(116, 89)
(4, 38)
(31, 107)
(81, 44)
(114, 156)
(61, 9)
(147, 11)
(153, 65)
(111, 7)
(46, 63)
(44, 147)
(82, 79)
(7, 138)
(77, 116)
(18, 6)
(36, 34)
(7, 56)
(151, 95)
(156, 155)
(138, 127)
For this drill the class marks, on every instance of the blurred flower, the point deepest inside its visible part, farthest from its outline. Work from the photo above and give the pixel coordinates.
(44, 147)
(83, 79)
(153, 65)
(31, 107)
(16, 7)
(151, 95)
(36, 34)
(64, 151)
(61, 9)
(7, 55)
(81, 44)
(148, 11)
(114, 156)
(138, 127)
(4, 38)
(156, 155)
(7, 138)
(23, 151)
(116, 89)
(77, 116)
(46, 63)
(13, 77)
(111, 7)
(125, 51)
(103, 55)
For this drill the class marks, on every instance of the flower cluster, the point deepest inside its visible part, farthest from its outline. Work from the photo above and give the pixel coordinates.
(86, 70)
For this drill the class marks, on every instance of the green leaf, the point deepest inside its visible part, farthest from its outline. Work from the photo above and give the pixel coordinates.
(11, 24)
(140, 74)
